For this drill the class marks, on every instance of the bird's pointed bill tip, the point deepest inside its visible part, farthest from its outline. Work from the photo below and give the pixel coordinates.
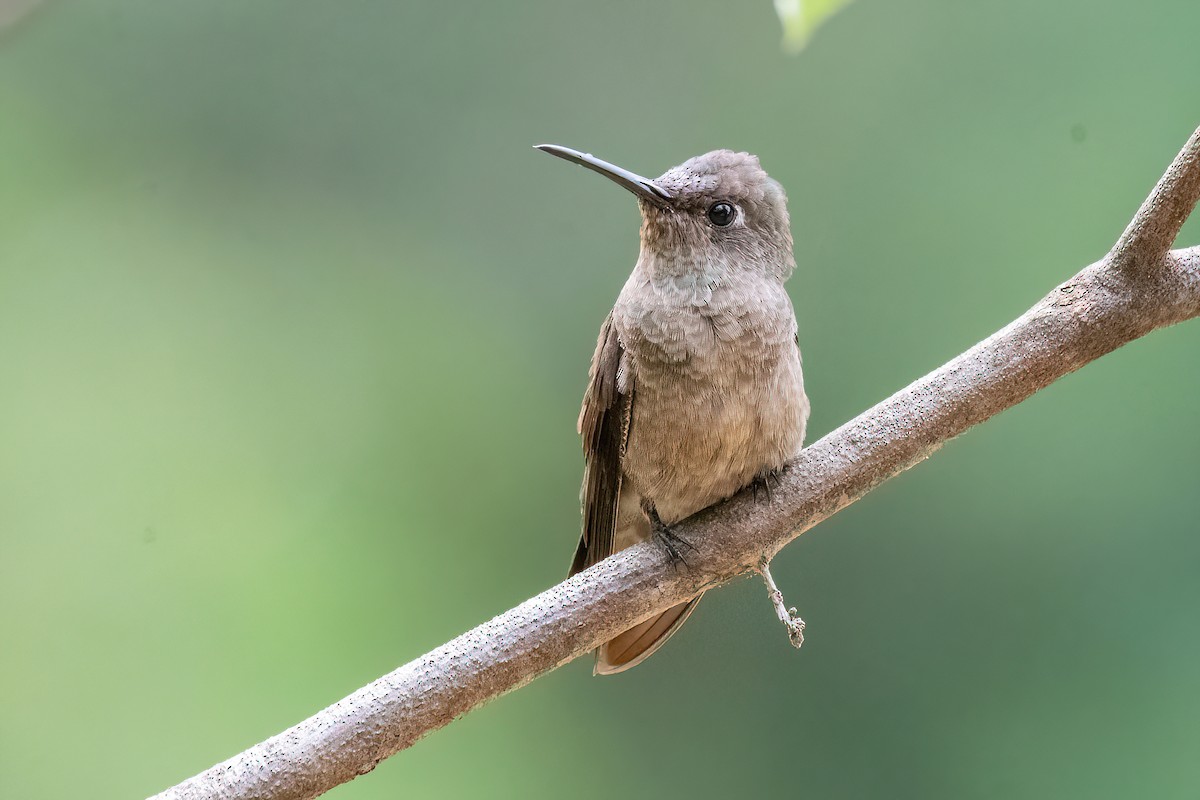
(643, 187)
(561, 152)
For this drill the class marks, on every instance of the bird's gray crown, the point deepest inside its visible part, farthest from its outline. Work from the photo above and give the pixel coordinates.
(721, 174)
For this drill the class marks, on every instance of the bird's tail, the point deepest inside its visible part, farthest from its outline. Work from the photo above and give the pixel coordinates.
(635, 645)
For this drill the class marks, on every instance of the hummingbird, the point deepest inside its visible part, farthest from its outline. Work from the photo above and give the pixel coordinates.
(695, 390)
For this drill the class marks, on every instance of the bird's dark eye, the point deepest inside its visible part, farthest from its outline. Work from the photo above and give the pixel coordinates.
(721, 214)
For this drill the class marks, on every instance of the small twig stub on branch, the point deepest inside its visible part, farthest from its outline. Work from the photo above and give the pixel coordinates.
(787, 616)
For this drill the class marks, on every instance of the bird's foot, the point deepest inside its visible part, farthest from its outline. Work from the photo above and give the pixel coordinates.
(671, 541)
(767, 482)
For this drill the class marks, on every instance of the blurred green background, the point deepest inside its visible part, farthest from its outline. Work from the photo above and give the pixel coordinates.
(294, 326)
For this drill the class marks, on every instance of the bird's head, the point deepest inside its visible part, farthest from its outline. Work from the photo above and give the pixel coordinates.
(718, 210)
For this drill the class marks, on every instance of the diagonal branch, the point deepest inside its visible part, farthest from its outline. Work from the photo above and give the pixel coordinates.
(1106, 305)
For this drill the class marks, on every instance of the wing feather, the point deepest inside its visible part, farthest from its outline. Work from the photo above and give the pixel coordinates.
(603, 425)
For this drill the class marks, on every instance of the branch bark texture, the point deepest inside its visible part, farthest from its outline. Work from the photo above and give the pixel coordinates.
(1138, 287)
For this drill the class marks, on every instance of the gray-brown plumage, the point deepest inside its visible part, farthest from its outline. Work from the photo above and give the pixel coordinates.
(695, 389)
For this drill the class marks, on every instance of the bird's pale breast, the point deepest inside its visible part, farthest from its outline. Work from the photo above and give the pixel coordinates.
(718, 392)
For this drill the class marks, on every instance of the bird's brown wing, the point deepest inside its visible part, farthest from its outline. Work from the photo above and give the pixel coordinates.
(603, 425)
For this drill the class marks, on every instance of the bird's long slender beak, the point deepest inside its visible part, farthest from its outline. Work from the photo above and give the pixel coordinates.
(644, 188)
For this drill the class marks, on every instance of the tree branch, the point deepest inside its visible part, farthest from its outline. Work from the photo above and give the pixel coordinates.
(1138, 287)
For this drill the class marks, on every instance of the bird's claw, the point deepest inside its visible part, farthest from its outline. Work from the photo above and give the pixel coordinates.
(671, 541)
(764, 481)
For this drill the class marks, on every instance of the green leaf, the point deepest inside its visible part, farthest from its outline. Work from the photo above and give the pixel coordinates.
(801, 17)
